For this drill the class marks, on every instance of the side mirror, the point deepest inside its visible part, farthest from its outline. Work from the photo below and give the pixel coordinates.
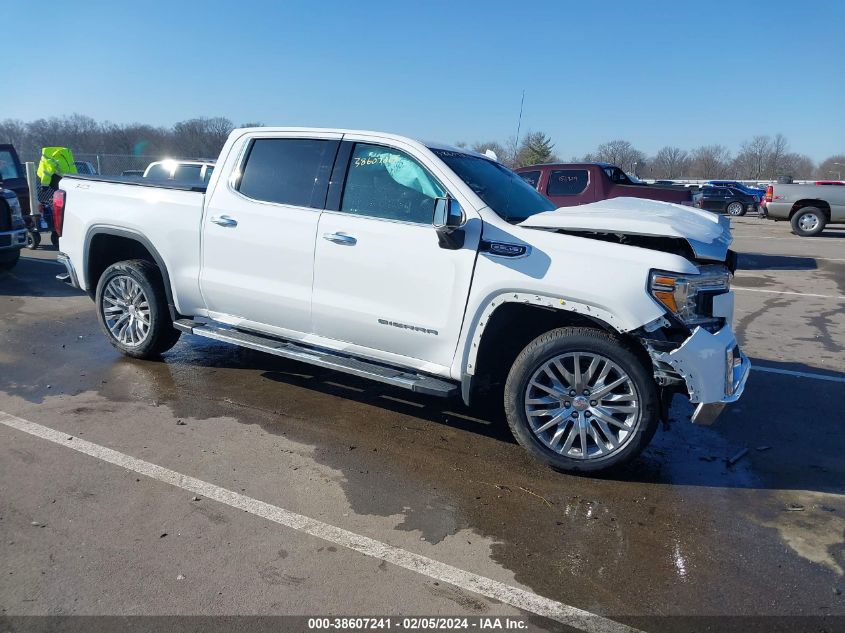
(448, 215)
(448, 220)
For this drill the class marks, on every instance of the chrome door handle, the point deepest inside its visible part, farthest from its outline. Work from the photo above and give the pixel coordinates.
(224, 220)
(340, 238)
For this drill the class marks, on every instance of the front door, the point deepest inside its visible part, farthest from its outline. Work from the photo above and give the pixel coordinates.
(259, 232)
(381, 280)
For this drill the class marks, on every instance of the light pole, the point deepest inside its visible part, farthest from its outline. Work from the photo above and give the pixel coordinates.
(839, 173)
(635, 169)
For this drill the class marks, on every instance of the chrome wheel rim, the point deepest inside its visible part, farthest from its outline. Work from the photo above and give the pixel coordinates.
(734, 208)
(126, 311)
(582, 406)
(808, 221)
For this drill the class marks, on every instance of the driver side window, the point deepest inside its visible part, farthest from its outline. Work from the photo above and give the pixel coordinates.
(382, 182)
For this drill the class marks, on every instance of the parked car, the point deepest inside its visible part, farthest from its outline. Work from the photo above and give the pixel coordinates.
(13, 175)
(570, 184)
(85, 167)
(181, 171)
(425, 267)
(809, 208)
(735, 184)
(726, 200)
(12, 229)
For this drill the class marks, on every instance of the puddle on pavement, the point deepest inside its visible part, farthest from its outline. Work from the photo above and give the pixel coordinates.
(811, 524)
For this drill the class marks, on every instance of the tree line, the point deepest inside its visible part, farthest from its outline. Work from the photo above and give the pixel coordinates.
(762, 157)
(201, 137)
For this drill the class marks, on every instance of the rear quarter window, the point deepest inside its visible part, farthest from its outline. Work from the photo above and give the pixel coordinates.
(567, 182)
(531, 177)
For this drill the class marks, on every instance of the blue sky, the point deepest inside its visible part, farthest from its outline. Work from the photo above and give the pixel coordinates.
(654, 73)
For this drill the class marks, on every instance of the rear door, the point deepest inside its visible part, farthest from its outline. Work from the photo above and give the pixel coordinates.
(259, 228)
(381, 280)
(715, 198)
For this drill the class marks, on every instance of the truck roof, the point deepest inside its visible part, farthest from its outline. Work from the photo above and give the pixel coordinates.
(388, 136)
(580, 164)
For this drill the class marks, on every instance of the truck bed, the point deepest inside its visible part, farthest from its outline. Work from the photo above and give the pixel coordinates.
(138, 182)
(166, 217)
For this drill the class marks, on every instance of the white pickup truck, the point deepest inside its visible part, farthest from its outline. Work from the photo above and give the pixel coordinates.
(426, 267)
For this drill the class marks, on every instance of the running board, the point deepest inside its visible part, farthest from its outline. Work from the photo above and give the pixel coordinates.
(419, 383)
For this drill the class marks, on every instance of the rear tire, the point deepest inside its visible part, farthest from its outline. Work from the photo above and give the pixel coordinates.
(33, 240)
(808, 222)
(736, 209)
(132, 309)
(575, 421)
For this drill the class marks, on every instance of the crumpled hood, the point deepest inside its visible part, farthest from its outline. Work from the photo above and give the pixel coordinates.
(708, 234)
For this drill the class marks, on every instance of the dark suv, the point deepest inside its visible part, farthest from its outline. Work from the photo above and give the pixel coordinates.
(12, 229)
(13, 175)
(726, 200)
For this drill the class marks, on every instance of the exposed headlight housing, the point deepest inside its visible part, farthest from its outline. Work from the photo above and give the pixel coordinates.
(690, 297)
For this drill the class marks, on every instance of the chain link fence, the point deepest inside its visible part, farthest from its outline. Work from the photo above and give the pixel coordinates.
(110, 164)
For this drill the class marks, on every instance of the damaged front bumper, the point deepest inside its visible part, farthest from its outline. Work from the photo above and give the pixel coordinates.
(714, 369)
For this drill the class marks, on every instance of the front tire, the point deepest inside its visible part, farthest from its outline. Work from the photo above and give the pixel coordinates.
(580, 400)
(808, 222)
(736, 209)
(132, 309)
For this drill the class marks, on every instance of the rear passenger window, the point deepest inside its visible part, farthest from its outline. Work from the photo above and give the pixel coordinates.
(567, 182)
(531, 177)
(387, 183)
(288, 171)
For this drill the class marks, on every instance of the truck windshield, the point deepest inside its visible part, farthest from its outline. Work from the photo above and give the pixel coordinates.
(502, 190)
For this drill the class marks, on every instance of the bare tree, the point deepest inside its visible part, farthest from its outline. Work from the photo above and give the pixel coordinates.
(621, 153)
(202, 137)
(754, 157)
(669, 162)
(797, 165)
(13, 131)
(832, 167)
(775, 162)
(710, 161)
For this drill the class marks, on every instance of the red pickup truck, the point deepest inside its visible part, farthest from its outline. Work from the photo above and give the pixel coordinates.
(570, 184)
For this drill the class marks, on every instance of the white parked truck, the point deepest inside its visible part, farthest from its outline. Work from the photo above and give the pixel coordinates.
(426, 267)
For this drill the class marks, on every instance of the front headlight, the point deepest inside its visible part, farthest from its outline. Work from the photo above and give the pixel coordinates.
(17, 216)
(690, 297)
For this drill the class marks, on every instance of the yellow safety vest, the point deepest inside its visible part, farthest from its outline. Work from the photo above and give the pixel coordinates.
(55, 160)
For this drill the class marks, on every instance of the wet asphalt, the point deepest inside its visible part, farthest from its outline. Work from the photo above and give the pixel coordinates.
(684, 531)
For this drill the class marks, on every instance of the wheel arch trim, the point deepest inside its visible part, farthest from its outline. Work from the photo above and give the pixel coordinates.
(800, 205)
(600, 315)
(104, 229)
